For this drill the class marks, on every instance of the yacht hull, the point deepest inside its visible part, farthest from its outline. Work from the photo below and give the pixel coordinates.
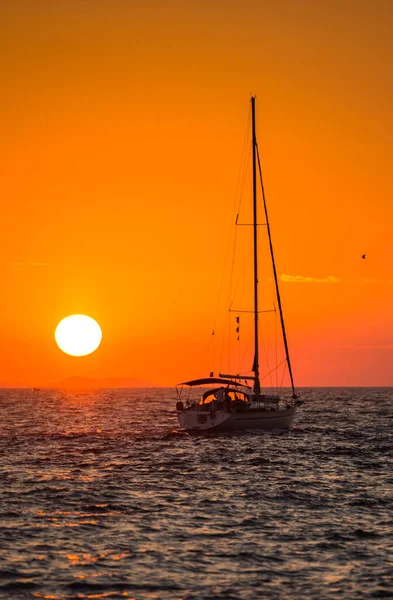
(190, 420)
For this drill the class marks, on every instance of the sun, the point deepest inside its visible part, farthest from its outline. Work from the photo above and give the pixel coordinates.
(78, 335)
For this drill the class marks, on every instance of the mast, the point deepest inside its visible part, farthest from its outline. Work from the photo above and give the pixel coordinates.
(255, 366)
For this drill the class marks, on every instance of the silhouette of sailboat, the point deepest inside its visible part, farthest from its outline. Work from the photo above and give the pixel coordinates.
(227, 402)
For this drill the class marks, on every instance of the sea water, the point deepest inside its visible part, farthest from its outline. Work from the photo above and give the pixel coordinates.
(102, 497)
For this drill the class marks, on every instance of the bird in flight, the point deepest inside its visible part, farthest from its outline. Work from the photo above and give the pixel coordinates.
(364, 255)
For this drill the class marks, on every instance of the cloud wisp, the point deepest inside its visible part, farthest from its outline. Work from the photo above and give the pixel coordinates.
(285, 278)
(302, 279)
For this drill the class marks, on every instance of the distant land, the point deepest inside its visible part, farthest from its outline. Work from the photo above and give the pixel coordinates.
(106, 382)
(78, 382)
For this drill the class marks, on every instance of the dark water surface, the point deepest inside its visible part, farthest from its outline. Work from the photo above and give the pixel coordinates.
(99, 499)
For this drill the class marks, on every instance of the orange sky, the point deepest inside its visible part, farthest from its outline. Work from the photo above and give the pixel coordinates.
(122, 132)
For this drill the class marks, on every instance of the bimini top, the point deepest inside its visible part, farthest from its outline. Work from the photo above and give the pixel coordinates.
(208, 380)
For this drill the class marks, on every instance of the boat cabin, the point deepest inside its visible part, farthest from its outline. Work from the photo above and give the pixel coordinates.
(225, 398)
(229, 395)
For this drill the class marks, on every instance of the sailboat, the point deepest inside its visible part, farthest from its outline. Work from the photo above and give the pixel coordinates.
(228, 402)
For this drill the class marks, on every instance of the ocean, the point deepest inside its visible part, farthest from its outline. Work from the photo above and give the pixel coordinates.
(102, 497)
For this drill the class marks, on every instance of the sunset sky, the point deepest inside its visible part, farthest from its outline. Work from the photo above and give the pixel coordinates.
(123, 125)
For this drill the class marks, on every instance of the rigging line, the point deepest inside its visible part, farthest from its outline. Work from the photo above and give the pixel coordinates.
(232, 270)
(243, 185)
(213, 351)
(283, 371)
(221, 284)
(234, 286)
(239, 281)
(240, 175)
(238, 346)
(223, 274)
(242, 160)
(204, 360)
(246, 154)
(224, 269)
(275, 343)
(210, 346)
(229, 345)
(223, 340)
(283, 362)
(275, 276)
(243, 165)
(247, 345)
(265, 352)
(229, 302)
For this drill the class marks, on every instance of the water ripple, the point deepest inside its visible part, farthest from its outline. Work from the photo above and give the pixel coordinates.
(102, 496)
